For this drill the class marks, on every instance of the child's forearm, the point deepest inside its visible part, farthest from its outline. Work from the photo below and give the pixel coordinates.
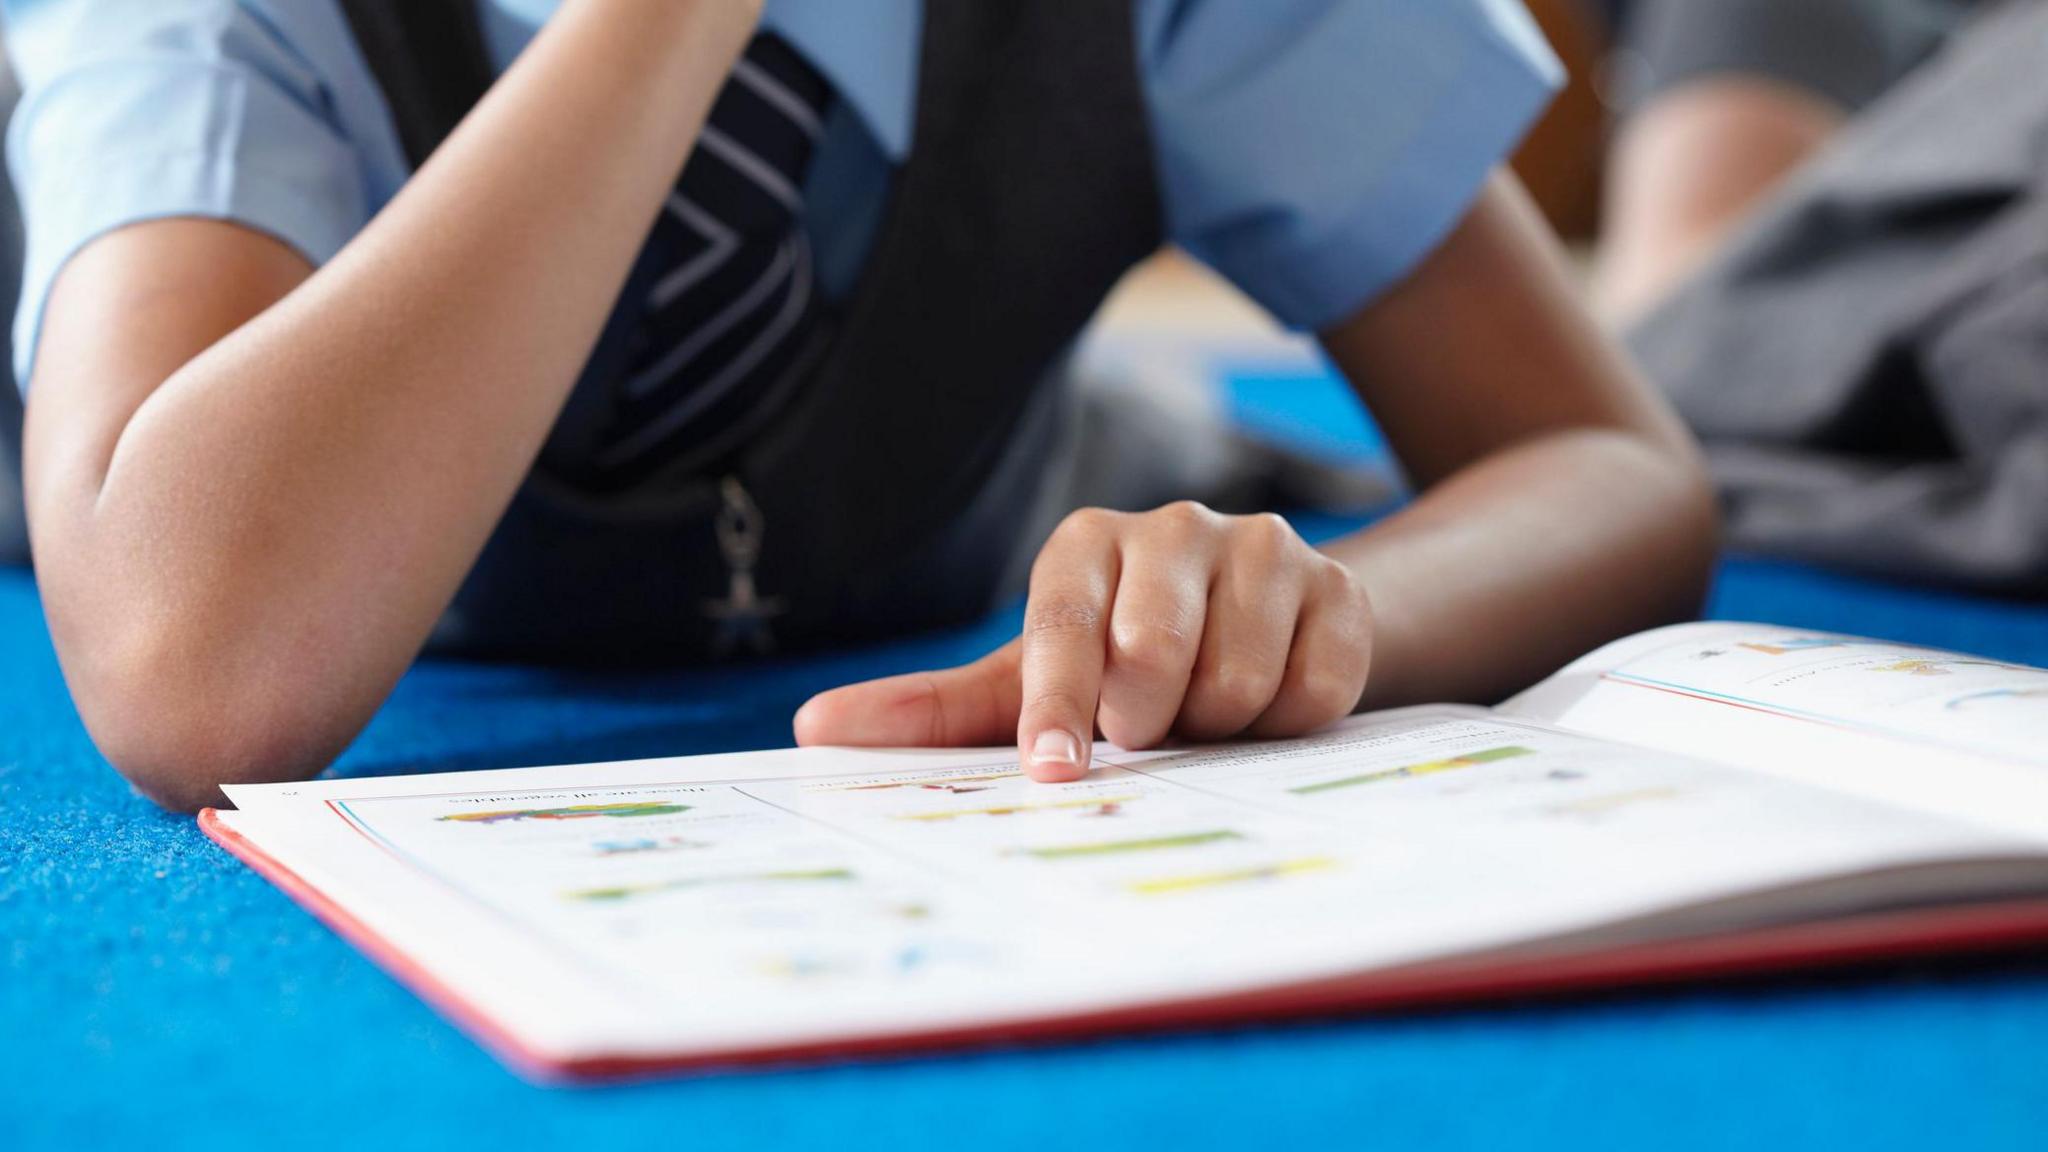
(1510, 568)
(1562, 503)
(240, 562)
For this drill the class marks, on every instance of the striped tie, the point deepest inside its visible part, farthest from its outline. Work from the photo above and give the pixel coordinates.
(725, 319)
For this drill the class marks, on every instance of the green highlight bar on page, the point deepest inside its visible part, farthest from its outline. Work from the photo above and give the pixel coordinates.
(1409, 771)
(1171, 885)
(785, 876)
(571, 812)
(1120, 847)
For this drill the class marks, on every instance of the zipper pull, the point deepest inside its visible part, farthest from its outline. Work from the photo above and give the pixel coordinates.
(743, 616)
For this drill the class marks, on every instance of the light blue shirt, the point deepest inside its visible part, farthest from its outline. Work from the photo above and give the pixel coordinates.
(1312, 151)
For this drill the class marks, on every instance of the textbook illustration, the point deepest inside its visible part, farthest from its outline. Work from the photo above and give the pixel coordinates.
(1705, 798)
(571, 812)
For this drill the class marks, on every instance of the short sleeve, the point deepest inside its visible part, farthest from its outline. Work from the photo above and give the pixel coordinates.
(1315, 151)
(142, 109)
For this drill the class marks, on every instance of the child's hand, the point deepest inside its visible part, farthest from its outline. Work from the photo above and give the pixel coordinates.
(1179, 620)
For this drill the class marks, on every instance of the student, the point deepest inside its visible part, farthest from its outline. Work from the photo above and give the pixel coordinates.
(295, 411)
(1725, 99)
(1829, 244)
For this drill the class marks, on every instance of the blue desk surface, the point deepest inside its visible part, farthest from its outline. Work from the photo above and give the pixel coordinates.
(153, 992)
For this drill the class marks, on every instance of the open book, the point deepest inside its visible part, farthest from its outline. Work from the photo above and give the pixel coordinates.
(1698, 800)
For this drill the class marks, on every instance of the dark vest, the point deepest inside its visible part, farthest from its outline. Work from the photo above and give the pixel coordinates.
(1029, 190)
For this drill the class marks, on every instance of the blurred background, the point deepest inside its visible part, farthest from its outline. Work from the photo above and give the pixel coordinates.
(1822, 229)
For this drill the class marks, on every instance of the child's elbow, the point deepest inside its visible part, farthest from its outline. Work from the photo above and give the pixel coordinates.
(177, 735)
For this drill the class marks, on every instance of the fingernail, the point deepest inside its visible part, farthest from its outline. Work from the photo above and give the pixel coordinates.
(1056, 747)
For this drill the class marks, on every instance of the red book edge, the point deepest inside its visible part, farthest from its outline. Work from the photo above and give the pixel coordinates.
(1972, 929)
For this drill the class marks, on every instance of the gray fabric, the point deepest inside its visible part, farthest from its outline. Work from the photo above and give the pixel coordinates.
(1868, 362)
(13, 523)
(1847, 51)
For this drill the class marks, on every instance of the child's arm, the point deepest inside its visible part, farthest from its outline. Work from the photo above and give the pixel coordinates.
(253, 487)
(1561, 505)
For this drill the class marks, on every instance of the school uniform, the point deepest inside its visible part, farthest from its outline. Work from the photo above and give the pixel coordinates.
(1864, 361)
(1847, 52)
(823, 399)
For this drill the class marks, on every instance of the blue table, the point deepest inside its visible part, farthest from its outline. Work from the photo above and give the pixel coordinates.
(153, 992)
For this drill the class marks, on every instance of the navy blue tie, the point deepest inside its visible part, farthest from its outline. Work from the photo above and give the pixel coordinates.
(725, 319)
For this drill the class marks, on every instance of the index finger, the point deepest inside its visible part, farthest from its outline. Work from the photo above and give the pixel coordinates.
(1066, 622)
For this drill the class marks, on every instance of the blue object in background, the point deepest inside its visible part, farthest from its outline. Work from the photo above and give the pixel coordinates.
(155, 993)
(1304, 405)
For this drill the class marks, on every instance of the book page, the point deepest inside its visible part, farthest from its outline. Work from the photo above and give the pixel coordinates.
(1938, 730)
(736, 903)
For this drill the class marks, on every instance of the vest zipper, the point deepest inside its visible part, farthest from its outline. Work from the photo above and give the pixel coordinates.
(744, 616)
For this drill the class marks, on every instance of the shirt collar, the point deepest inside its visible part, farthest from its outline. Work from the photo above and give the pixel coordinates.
(868, 49)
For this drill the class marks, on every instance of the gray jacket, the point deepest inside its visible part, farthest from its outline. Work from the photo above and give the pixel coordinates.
(1868, 361)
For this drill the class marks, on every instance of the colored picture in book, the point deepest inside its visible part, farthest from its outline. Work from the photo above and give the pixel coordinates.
(1412, 771)
(1595, 808)
(1996, 697)
(1934, 666)
(646, 846)
(1093, 805)
(570, 812)
(1230, 877)
(904, 961)
(1795, 644)
(778, 878)
(1130, 847)
(981, 782)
